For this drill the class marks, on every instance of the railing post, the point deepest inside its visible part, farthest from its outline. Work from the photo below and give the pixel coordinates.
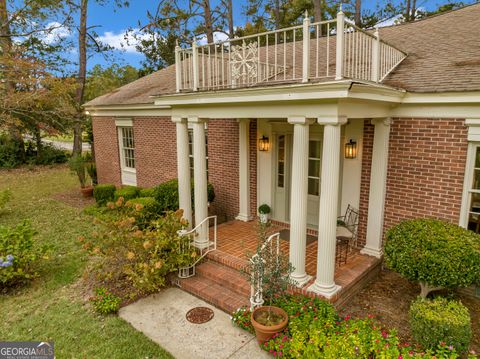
(376, 57)
(340, 36)
(178, 67)
(195, 66)
(306, 48)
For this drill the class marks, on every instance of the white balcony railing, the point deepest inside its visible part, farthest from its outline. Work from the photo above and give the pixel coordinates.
(308, 52)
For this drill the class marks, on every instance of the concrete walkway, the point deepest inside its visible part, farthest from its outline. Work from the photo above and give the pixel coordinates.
(161, 317)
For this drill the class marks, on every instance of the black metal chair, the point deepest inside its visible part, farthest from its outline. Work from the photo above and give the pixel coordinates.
(347, 225)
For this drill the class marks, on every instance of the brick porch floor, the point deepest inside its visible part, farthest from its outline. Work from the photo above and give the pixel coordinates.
(237, 239)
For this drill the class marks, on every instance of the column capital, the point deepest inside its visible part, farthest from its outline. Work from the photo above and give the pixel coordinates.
(333, 121)
(299, 120)
(179, 119)
(196, 119)
(381, 121)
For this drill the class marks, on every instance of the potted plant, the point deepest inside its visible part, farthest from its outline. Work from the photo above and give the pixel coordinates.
(270, 277)
(264, 210)
(78, 165)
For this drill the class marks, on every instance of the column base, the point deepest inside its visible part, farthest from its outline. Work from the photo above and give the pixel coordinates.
(374, 252)
(243, 217)
(201, 244)
(301, 279)
(325, 291)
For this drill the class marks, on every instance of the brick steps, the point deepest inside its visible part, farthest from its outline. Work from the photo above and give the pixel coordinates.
(220, 285)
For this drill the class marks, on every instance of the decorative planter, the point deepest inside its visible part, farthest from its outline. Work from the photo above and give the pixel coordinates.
(264, 332)
(87, 191)
(263, 217)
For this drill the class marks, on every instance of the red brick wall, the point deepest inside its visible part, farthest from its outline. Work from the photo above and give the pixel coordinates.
(106, 150)
(155, 150)
(367, 148)
(253, 167)
(425, 170)
(223, 168)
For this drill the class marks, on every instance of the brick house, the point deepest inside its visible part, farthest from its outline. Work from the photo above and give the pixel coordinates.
(387, 122)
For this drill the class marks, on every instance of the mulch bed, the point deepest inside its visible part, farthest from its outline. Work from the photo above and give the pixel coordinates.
(74, 198)
(388, 299)
(199, 315)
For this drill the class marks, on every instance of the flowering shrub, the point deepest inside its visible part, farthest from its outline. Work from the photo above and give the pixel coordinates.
(105, 302)
(137, 260)
(316, 331)
(18, 254)
(241, 318)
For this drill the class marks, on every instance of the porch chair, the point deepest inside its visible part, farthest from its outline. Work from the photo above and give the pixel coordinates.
(347, 225)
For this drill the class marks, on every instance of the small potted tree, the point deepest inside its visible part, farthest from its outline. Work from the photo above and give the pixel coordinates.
(264, 210)
(269, 276)
(78, 165)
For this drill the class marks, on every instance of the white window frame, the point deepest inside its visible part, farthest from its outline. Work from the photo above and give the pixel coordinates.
(473, 144)
(190, 148)
(128, 174)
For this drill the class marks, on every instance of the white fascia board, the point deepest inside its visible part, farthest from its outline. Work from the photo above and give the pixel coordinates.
(472, 97)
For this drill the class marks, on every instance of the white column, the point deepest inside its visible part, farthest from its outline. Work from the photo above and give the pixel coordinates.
(378, 187)
(299, 198)
(200, 180)
(340, 44)
(244, 170)
(327, 224)
(183, 169)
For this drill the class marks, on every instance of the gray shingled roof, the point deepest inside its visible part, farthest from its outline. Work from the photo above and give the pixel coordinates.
(443, 55)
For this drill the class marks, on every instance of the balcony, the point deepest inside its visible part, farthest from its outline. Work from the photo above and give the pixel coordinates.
(311, 52)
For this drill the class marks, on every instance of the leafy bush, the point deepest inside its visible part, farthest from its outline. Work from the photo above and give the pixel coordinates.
(264, 209)
(48, 155)
(147, 192)
(137, 261)
(9, 152)
(146, 208)
(18, 254)
(104, 193)
(435, 253)
(105, 302)
(127, 192)
(5, 196)
(241, 318)
(166, 195)
(440, 320)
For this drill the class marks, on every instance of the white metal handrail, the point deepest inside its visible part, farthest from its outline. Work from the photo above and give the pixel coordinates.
(203, 247)
(256, 288)
(298, 53)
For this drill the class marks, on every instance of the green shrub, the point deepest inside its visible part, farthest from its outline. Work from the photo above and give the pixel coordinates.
(440, 320)
(264, 209)
(105, 302)
(435, 253)
(9, 152)
(166, 195)
(18, 254)
(147, 192)
(138, 260)
(146, 208)
(49, 154)
(127, 192)
(104, 193)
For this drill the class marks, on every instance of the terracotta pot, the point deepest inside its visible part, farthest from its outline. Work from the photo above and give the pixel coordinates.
(87, 191)
(264, 332)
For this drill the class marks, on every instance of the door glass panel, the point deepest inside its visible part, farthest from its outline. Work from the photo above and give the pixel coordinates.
(314, 149)
(314, 167)
(474, 210)
(313, 186)
(281, 162)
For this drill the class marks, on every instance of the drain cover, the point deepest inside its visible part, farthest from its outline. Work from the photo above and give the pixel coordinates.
(199, 315)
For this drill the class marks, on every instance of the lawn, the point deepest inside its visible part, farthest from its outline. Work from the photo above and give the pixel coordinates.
(53, 307)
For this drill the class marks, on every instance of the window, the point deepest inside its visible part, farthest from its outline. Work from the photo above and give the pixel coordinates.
(474, 195)
(127, 147)
(190, 149)
(281, 162)
(314, 165)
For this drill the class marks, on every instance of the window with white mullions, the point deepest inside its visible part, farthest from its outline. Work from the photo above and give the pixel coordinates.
(281, 162)
(474, 196)
(190, 150)
(128, 147)
(314, 166)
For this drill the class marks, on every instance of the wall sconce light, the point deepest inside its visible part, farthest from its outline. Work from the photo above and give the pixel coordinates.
(263, 144)
(351, 149)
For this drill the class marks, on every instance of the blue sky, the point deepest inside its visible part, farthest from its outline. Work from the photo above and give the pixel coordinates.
(113, 23)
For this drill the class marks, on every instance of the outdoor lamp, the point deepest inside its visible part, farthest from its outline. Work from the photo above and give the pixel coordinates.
(351, 149)
(263, 144)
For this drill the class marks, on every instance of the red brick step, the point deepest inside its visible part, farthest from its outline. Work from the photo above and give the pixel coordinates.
(224, 276)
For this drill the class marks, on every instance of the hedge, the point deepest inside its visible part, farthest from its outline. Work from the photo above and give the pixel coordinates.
(127, 192)
(103, 193)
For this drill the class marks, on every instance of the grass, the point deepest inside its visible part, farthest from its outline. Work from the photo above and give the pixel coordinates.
(53, 308)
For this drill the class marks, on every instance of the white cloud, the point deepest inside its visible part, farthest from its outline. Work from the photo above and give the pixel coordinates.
(124, 40)
(217, 36)
(55, 32)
